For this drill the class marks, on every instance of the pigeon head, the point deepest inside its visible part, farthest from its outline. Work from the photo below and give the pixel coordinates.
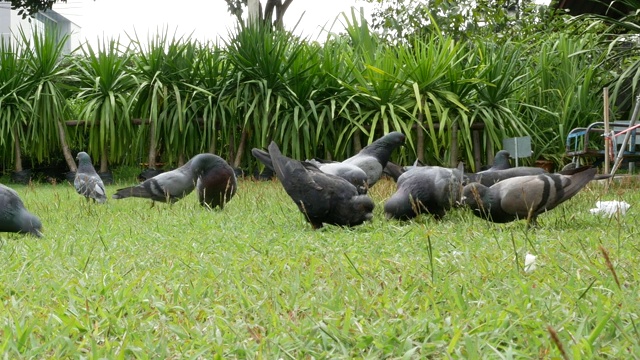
(501, 160)
(29, 224)
(203, 162)
(356, 211)
(83, 158)
(84, 163)
(473, 196)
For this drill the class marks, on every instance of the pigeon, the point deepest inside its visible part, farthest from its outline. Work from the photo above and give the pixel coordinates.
(374, 157)
(13, 215)
(322, 198)
(428, 189)
(394, 170)
(488, 178)
(500, 162)
(351, 173)
(216, 181)
(570, 166)
(87, 181)
(525, 197)
(169, 186)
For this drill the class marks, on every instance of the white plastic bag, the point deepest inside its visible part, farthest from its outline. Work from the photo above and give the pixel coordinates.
(610, 208)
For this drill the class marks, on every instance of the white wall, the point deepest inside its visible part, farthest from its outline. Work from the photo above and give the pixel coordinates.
(11, 23)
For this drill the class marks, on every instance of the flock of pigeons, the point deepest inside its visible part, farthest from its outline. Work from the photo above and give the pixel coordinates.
(336, 192)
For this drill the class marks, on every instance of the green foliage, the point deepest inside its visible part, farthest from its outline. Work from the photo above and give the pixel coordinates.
(497, 20)
(39, 80)
(620, 39)
(105, 86)
(315, 99)
(563, 90)
(254, 281)
(378, 95)
(14, 98)
(263, 60)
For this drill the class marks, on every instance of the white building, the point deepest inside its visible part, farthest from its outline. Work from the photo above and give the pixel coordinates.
(11, 23)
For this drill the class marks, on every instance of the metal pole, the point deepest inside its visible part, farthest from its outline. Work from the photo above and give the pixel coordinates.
(607, 137)
(627, 136)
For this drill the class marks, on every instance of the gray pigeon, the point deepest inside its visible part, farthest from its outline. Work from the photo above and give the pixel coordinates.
(351, 173)
(169, 186)
(488, 178)
(14, 217)
(216, 181)
(373, 158)
(525, 197)
(87, 182)
(321, 197)
(428, 189)
(393, 170)
(500, 162)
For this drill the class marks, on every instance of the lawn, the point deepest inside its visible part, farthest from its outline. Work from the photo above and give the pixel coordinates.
(124, 280)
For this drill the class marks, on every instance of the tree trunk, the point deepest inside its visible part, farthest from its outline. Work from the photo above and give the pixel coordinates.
(181, 159)
(62, 135)
(357, 144)
(254, 11)
(232, 147)
(213, 145)
(104, 160)
(241, 146)
(453, 153)
(420, 144)
(153, 146)
(280, 8)
(18, 158)
(489, 149)
(477, 150)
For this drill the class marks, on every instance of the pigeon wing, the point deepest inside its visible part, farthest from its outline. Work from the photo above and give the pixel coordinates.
(523, 195)
(299, 181)
(168, 186)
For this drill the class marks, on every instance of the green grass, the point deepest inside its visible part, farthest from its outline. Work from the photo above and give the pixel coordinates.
(124, 280)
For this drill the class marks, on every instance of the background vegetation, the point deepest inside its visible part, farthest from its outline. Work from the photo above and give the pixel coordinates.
(165, 99)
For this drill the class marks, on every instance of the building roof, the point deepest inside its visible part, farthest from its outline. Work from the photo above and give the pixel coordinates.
(56, 16)
(614, 9)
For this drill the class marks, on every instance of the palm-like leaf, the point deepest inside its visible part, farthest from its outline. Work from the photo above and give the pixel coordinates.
(52, 74)
(160, 68)
(15, 107)
(563, 91)
(261, 58)
(105, 89)
(380, 98)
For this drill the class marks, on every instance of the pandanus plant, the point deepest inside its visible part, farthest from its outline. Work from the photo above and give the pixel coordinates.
(380, 99)
(167, 72)
(15, 107)
(261, 96)
(35, 77)
(51, 79)
(105, 88)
